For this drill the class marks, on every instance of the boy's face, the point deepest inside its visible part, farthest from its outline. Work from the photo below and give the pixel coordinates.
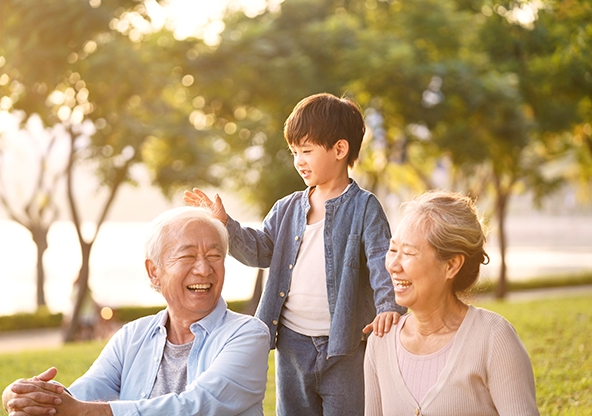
(315, 164)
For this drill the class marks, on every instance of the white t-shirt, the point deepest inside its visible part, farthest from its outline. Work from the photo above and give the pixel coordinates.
(306, 309)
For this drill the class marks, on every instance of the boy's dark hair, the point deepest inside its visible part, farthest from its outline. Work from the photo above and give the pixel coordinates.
(324, 119)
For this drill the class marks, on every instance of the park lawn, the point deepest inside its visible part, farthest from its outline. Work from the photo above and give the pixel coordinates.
(556, 332)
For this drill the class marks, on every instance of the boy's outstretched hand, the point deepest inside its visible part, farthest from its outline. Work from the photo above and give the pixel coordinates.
(382, 323)
(200, 200)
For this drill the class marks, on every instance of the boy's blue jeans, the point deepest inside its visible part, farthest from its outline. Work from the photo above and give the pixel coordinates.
(309, 384)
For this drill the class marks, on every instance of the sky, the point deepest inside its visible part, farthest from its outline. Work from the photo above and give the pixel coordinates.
(201, 17)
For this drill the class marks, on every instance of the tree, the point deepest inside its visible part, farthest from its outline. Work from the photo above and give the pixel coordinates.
(110, 81)
(244, 90)
(32, 205)
(459, 84)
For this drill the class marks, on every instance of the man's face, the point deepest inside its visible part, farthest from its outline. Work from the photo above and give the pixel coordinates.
(192, 272)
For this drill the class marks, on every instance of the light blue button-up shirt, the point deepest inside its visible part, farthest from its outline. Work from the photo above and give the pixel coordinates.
(226, 369)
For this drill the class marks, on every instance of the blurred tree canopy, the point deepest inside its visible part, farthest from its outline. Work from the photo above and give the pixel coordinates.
(487, 97)
(491, 93)
(115, 91)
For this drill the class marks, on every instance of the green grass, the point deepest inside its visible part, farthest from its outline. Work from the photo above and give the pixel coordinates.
(540, 282)
(556, 332)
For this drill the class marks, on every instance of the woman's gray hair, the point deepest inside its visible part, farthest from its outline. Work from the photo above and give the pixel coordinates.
(163, 227)
(452, 228)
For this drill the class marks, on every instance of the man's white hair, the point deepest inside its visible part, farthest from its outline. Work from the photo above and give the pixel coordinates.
(163, 227)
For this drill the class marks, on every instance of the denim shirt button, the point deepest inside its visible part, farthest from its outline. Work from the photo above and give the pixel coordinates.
(296, 238)
(274, 322)
(282, 294)
(290, 266)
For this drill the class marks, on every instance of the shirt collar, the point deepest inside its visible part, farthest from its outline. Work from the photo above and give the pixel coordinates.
(347, 193)
(213, 319)
(208, 322)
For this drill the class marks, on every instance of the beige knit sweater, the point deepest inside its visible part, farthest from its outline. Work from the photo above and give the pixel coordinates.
(488, 372)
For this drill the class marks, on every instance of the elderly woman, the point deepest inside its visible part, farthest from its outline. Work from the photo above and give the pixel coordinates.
(445, 357)
(196, 357)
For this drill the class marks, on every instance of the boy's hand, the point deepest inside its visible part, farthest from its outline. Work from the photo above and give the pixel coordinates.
(382, 323)
(200, 200)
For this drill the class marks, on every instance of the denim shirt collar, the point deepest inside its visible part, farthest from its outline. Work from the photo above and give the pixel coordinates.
(353, 188)
(207, 323)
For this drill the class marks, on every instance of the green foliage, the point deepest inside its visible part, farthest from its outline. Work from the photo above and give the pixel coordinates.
(455, 86)
(42, 318)
(130, 313)
(464, 82)
(541, 282)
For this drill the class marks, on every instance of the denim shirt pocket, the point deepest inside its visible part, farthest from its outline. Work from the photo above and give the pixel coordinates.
(352, 251)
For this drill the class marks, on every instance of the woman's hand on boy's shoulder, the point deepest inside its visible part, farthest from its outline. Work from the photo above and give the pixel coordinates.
(382, 323)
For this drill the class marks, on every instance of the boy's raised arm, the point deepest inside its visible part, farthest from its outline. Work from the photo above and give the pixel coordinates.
(199, 199)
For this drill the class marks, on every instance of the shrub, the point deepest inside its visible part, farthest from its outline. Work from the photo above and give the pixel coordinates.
(42, 318)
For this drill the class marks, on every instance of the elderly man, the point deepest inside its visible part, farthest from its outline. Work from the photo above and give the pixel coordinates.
(194, 358)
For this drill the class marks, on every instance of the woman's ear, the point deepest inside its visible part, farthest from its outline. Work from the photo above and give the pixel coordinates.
(454, 265)
(341, 149)
(151, 270)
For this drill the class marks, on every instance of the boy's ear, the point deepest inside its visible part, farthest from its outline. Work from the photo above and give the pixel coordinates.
(341, 149)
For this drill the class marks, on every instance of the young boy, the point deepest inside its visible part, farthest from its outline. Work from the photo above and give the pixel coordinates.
(325, 248)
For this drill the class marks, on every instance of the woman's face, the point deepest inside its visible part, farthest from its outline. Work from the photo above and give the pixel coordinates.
(419, 277)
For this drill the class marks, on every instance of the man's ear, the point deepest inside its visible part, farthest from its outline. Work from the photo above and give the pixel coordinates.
(454, 265)
(341, 149)
(151, 270)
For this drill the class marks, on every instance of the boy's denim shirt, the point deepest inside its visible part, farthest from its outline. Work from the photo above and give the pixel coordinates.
(357, 235)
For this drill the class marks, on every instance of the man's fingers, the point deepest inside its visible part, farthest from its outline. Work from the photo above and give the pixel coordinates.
(34, 399)
(32, 411)
(31, 406)
(48, 374)
(29, 386)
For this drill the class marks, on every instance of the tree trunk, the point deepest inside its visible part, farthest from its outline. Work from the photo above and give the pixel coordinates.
(501, 204)
(81, 283)
(254, 302)
(81, 286)
(40, 239)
